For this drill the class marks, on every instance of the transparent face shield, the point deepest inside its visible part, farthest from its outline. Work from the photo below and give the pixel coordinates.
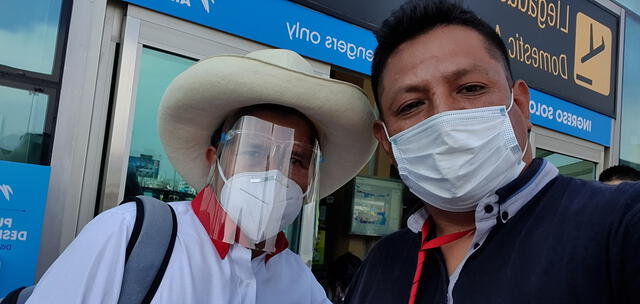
(263, 174)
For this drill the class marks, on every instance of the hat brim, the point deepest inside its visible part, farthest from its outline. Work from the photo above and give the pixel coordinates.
(198, 101)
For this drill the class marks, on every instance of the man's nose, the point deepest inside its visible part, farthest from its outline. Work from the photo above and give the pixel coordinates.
(443, 102)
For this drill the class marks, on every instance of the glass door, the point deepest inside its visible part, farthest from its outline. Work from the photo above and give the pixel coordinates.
(569, 166)
(572, 156)
(149, 171)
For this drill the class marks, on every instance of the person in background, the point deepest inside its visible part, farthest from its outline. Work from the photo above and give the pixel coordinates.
(341, 272)
(618, 174)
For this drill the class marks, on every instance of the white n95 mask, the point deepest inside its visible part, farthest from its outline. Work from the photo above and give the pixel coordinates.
(454, 159)
(261, 203)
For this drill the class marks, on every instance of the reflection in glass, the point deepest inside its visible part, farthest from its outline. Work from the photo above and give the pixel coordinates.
(569, 166)
(22, 117)
(28, 34)
(150, 172)
(633, 5)
(630, 111)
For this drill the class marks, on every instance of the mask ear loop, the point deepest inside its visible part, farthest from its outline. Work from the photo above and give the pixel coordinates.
(384, 127)
(223, 139)
(224, 179)
(511, 103)
(526, 145)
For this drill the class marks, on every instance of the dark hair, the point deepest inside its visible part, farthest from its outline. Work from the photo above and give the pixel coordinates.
(619, 172)
(232, 119)
(343, 269)
(417, 17)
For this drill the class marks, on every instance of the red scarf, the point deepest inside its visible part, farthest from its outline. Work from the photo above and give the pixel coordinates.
(211, 215)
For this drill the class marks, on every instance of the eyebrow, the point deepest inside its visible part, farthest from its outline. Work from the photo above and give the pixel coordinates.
(459, 73)
(301, 147)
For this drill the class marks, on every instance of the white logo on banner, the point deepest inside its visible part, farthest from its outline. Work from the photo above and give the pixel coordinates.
(205, 3)
(6, 191)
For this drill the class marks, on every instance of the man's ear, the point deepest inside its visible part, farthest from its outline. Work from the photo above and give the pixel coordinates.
(521, 99)
(210, 155)
(380, 134)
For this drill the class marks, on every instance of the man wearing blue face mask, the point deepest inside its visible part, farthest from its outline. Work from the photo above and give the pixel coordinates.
(497, 226)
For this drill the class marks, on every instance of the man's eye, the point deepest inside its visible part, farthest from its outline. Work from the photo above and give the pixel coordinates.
(298, 162)
(410, 106)
(472, 89)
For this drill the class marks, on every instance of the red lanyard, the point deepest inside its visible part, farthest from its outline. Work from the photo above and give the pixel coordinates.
(437, 242)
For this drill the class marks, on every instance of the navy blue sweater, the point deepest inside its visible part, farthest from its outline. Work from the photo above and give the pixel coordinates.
(575, 241)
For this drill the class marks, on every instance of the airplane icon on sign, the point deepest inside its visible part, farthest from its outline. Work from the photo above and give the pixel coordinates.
(593, 55)
(593, 51)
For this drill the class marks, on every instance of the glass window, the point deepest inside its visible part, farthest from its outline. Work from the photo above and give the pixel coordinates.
(29, 33)
(569, 166)
(630, 111)
(633, 5)
(22, 119)
(150, 172)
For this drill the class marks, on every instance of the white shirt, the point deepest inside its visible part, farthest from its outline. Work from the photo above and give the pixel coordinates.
(90, 269)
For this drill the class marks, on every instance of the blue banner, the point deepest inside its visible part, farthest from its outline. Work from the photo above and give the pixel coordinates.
(281, 24)
(562, 116)
(23, 193)
(285, 24)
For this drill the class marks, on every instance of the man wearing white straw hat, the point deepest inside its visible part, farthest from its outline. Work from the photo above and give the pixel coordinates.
(259, 136)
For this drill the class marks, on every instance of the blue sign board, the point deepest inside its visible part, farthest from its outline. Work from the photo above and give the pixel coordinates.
(562, 116)
(285, 24)
(281, 24)
(23, 193)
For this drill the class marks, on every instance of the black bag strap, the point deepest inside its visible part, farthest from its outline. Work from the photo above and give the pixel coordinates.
(25, 294)
(154, 232)
(12, 297)
(18, 295)
(135, 233)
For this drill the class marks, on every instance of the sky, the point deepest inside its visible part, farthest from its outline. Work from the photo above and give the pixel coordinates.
(28, 33)
(630, 134)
